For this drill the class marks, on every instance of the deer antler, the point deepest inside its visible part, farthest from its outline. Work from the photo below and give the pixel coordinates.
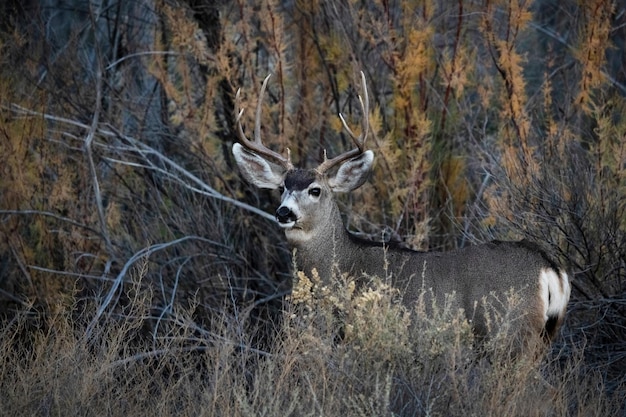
(358, 141)
(257, 146)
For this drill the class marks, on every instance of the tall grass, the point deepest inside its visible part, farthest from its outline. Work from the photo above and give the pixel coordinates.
(356, 355)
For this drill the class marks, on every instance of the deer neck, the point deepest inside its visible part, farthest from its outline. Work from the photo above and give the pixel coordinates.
(324, 249)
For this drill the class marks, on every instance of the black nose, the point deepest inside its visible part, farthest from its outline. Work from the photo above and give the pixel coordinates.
(285, 215)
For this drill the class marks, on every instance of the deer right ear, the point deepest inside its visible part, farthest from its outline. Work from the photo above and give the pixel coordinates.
(256, 170)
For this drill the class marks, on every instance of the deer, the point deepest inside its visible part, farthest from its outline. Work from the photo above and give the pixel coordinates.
(479, 275)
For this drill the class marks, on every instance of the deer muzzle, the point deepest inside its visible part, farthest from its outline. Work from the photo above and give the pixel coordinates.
(286, 217)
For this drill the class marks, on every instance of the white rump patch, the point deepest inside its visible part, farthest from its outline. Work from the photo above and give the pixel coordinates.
(555, 291)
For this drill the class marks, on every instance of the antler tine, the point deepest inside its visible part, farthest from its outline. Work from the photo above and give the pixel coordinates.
(259, 108)
(359, 141)
(256, 145)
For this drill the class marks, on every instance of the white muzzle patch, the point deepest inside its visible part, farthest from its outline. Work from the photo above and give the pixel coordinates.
(290, 204)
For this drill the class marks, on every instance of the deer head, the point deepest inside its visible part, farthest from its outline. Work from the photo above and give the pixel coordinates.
(307, 203)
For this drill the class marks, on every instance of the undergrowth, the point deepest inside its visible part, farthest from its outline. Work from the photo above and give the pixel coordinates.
(355, 354)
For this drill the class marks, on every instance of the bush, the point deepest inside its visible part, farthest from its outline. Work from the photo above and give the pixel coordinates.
(383, 364)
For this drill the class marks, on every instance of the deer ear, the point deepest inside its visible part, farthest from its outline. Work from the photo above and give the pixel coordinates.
(352, 173)
(256, 170)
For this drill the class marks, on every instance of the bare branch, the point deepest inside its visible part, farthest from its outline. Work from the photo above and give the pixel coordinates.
(144, 151)
(49, 214)
(89, 139)
(119, 280)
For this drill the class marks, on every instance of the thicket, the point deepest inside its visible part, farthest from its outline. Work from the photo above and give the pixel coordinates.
(131, 248)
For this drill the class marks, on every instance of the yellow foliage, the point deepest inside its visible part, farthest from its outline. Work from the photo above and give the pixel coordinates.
(186, 36)
(417, 57)
(457, 70)
(610, 147)
(591, 51)
(520, 14)
(511, 63)
(20, 158)
(456, 183)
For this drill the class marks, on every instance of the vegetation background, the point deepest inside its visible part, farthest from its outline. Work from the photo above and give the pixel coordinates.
(140, 275)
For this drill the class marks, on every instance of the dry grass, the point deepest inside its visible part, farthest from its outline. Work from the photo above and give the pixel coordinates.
(381, 365)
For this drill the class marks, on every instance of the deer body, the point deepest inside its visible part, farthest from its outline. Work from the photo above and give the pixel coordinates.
(479, 276)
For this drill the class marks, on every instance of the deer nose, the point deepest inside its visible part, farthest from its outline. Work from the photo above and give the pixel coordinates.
(285, 215)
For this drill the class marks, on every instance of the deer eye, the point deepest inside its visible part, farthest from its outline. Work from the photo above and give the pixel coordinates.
(315, 192)
(281, 189)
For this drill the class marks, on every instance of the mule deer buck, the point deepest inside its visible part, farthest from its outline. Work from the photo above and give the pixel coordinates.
(477, 275)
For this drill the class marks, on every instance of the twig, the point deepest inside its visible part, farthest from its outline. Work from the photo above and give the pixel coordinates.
(138, 54)
(70, 274)
(162, 352)
(95, 120)
(169, 308)
(117, 283)
(50, 214)
(13, 298)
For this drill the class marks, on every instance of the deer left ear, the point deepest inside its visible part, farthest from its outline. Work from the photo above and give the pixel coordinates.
(352, 173)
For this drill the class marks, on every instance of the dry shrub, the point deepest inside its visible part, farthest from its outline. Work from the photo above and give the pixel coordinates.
(382, 364)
